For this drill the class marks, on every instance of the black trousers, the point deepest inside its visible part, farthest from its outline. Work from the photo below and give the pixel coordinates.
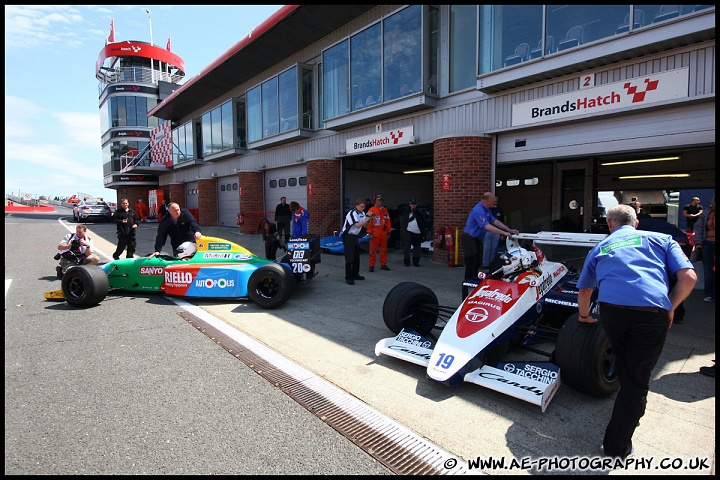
(352, 255)
(472, 249)
(128, 241)
(637, 339)
(283, 228)
(413, 240)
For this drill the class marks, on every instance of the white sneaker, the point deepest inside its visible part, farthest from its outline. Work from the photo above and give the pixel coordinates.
(708, 299)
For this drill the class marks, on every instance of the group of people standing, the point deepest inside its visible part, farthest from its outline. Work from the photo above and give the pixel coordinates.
(377, 224)
(290, 220)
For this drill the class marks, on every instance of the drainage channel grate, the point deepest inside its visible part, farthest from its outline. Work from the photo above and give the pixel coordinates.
(399, 449)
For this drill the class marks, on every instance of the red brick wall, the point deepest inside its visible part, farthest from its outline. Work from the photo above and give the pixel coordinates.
(176, 193)
(207, 202)
(468, 162)
(251, 199)
(324, 199)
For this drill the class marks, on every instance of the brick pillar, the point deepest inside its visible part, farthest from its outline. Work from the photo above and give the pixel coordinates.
(207, 202)
(176, 194)
(252, 199)
(324, 199)
(468, 162)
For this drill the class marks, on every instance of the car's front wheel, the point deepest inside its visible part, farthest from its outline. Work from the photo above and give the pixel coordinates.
(271, 285)
(85, 285)
(585, 357)
(410, 304)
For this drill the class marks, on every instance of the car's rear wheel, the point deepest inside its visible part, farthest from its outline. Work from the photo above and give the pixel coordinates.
(410, 304)
(271, 285)
(586, 359)
(85, 285)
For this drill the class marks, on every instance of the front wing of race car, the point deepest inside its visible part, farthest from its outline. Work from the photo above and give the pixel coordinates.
(533, 382)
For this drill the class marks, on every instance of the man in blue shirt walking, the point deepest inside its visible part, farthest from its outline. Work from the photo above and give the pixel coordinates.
(631, 270)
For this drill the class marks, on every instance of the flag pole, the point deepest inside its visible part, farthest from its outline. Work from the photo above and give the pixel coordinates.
(152, 66)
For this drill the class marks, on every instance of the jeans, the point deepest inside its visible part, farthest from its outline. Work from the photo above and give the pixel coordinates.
(490, 245)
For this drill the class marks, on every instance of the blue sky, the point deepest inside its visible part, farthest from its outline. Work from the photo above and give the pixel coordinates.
(52, 120)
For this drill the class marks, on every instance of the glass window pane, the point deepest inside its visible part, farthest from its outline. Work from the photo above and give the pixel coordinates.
(365, 68)
(336, 81)
(206, 134)
(141, 108)
(288, 83)
(574, 25)
(226, 125)
(216, 130)
(131, 112)
(463, 36)
(270, 116)
(508, 33)
(402, 53)
(254, 115)
(292, 181)
(189, 150)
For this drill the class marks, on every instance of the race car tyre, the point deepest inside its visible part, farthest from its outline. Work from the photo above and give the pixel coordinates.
(85, 285)
(271, 285)
(405, 306)
(585, 357)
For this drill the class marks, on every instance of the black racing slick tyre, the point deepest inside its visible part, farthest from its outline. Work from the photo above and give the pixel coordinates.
(585, 357)
(271, 285)
(410, 304)
(85, 285)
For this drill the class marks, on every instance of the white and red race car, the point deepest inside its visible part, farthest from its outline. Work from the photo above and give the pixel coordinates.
(525, 301)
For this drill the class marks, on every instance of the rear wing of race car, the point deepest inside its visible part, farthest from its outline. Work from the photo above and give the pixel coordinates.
(563, 238)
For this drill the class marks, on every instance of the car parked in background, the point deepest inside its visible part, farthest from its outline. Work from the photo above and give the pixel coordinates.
(88, 210)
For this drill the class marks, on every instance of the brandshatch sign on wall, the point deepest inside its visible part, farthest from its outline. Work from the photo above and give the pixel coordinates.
(380, 140)
(633, 93)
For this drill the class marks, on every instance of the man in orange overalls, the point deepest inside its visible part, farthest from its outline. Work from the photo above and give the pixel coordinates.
(379, 229)
(142, 209)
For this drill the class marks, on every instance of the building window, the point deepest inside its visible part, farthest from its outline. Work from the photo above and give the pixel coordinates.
(512, 34)
(183, 144)
(463, 34)
(273, 107)
(379, 64)
(217, 127)
(292, 182)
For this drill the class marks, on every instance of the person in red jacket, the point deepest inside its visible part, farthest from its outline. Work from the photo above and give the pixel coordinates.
(379, 229)
(142, 209)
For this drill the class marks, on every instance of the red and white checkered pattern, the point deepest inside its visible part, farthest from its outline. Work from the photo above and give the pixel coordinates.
(161, 145)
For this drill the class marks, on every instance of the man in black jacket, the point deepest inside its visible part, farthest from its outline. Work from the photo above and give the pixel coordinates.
(283, 215)
(126, 220)
(413, 233)
(180, 225)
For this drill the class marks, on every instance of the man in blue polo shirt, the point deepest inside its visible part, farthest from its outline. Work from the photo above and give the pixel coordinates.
(480, 221)
(630, 269)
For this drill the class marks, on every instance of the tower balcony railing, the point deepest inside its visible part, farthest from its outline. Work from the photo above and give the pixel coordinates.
(109, 76)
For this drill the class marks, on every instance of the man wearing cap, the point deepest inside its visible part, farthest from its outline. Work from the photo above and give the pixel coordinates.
(413, 232)
(379, 229)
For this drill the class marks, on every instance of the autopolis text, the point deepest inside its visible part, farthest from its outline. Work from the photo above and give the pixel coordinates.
(695, 464)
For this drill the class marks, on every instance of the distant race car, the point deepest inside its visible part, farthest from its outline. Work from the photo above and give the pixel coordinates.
(334, 243)
(526, 300)
(217, 269)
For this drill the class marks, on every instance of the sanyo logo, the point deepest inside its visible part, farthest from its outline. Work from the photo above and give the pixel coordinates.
(151, 270)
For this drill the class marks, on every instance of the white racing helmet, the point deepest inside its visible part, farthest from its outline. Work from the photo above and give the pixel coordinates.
(186, 250)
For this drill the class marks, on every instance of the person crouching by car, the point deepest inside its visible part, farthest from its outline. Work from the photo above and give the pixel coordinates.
(78, 245)
(179, 225)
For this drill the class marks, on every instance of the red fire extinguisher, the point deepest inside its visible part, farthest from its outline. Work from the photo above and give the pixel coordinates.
(438, 237)
(240, 219)
(448, 238)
